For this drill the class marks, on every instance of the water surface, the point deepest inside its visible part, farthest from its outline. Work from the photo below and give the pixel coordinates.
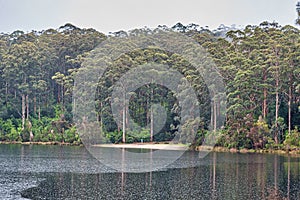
(63, 172)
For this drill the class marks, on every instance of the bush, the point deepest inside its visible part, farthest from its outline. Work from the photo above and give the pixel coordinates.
(114, 137)
(259, 134)
(235, 140)
(293, 139)
(14, 135)
(70, 135)
(8, 131)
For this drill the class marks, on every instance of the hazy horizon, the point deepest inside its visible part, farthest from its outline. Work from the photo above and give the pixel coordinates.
(107, 16)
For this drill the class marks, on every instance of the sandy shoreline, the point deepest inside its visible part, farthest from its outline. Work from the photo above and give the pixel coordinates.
(180, 147)
(183, 147)
(163, 146)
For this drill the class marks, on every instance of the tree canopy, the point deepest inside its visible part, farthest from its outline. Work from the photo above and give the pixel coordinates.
(259, 65)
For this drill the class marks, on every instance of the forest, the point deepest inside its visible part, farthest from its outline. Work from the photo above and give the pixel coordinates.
(259, 64)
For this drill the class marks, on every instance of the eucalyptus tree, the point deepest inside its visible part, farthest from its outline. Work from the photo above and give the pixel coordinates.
(71, 45)
(21, 66)
(4, 46)
(259, 64)
(275, 67)
(290, 73)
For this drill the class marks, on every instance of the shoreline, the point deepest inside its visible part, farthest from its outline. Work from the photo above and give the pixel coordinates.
(160, 146)
(292, 152)
(43, 143)
(164, 146)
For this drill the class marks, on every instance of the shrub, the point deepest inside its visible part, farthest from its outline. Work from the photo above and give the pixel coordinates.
(70, 135)
(293, 139)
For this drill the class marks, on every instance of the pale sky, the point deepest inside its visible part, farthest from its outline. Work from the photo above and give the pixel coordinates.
(114, 15)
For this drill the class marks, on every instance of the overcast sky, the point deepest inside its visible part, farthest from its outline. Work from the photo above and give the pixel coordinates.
(115, 15)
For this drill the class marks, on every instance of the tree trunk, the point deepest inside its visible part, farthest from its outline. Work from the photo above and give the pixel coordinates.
(27, 118)
(151, 117)
(30, 131)
(151, 124)
(124, 118)
(212, 115)
(62, 96)
(289, 107)
(39, 113)
(101, 116)
(6, 92)
(265, 106)
(265, 103)
(276, 105)
(27, 107)
(58, 94)
(23, 111)
(215, 115)
(34, 105)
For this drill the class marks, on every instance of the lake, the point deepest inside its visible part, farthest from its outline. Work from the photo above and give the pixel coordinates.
(68, 172)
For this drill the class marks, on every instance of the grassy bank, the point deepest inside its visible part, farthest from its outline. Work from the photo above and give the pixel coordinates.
(43, 143)
(291, 151)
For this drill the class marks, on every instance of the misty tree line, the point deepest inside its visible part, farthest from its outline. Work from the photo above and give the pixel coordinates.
(259, 65)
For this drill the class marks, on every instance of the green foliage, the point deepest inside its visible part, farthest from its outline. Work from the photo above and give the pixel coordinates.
(114, 137)
(8, 131)
(131, 136)
(71, 136)
(235, 140)
(137, 136)
(260, 67)
(293, 139)
(259, 134)
(278, 129)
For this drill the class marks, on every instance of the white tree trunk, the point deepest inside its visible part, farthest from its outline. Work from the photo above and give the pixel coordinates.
(276, 109)
(124, 118)
(27, 107)
(151, 124)
(290, 110)
(23, 111)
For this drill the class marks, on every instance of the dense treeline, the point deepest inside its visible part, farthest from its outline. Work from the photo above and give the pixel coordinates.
(259, 65)
(36, 84)
(261, 68)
